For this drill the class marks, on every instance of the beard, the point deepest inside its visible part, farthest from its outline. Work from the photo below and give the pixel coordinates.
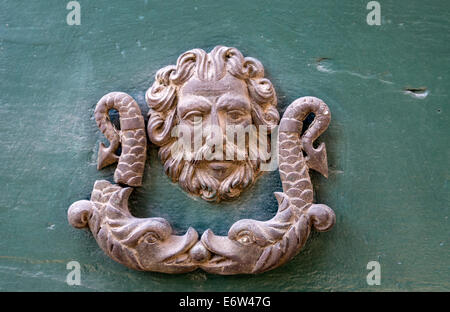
(199, 180)
(211, 180)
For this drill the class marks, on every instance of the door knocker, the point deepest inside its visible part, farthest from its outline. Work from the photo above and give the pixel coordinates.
(214, 118)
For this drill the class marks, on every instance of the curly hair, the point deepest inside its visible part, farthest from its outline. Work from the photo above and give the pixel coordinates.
(162, 98)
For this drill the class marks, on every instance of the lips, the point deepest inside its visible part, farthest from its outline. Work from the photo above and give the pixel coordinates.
(219, 169)
(219, 165)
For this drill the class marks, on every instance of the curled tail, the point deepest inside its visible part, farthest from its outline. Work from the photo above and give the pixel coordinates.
(131, 135)
(292, 122)
(294, 166)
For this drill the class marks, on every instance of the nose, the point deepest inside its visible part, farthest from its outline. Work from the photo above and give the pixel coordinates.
(214, 118)
(213, 132)
(214, 126)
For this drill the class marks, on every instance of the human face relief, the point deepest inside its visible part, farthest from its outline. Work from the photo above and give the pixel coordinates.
(213, 106)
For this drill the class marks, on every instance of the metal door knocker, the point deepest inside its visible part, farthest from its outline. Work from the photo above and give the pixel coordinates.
(214, 117)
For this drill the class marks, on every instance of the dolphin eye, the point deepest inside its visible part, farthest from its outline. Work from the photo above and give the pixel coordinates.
(149, 238)
(245, 238)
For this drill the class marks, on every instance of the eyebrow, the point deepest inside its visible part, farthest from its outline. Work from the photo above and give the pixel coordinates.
(229, 102)
(194, 103)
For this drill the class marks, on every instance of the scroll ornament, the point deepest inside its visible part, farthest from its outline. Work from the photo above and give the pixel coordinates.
(251, 246)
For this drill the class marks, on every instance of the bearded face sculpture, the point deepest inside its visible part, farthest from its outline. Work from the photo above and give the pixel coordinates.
(211, 115)
(197, 101)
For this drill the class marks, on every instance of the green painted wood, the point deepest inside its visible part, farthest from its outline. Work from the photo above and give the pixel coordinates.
(388, 151)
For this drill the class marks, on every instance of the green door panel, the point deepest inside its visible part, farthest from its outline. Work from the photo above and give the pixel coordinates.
(388, 149)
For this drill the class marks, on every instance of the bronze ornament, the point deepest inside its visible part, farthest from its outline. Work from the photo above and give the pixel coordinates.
(212, 92)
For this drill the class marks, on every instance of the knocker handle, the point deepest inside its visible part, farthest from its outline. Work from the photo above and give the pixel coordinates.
(250, 246)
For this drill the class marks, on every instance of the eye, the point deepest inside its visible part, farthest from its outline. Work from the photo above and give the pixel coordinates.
(245, 238)
(193, 116)
(235, 115)
(149, 238)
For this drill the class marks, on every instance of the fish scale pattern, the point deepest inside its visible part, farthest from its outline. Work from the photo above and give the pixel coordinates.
(251, 246)
(293, 166)
(294, 171)
(131, 136)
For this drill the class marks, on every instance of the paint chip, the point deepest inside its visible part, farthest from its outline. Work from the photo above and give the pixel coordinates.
(419, 93)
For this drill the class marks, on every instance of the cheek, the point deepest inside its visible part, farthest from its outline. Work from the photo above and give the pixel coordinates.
(247, 120)
(184, 131)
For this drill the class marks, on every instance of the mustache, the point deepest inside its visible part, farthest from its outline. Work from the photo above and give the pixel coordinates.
(214, 148)
(195, 178)
(199, 181)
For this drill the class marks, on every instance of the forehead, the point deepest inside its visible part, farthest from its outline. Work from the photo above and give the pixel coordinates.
(227, 85)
